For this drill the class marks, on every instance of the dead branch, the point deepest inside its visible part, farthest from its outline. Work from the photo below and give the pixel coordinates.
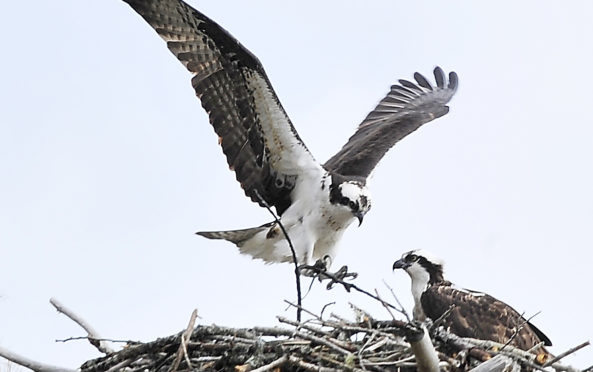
(499, 363)
(519, 328)
(277, 363)
(131, 342)
(297, 270)
(424, 352)
(566, 353)
(29, 363)
(93, 336)
(401, 310)
(182, 352)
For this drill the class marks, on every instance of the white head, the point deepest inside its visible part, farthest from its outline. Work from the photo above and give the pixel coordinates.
(353, 195)
(422, 266)
(424, 269)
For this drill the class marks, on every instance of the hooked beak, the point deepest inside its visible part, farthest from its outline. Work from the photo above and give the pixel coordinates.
(360, 217)
(400, 264)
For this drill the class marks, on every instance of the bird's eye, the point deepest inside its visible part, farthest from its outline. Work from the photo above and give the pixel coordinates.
(412, 258)
(352, 205)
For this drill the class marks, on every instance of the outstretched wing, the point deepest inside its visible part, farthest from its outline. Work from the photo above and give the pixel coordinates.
(402, 111)
(481, 316)
(256, 135)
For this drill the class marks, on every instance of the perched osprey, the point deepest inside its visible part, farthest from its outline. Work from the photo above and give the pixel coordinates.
(316, 201)
(476, 315)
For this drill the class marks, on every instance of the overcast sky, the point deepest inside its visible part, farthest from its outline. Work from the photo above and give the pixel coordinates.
(108, 164)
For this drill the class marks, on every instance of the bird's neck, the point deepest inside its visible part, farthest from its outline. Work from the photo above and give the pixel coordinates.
(418, 288)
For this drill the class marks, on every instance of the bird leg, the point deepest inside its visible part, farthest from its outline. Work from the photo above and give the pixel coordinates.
(319, 271)
(320, 266)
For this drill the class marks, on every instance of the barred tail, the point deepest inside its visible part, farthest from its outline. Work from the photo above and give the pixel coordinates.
(238, 237)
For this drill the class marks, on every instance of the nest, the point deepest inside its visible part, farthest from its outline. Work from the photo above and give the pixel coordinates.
(327, 345)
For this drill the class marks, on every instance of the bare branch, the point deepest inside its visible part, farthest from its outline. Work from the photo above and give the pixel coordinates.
(339, 276)
(121, 365)
(402, 310)
(519, 328)
(277, 363)
(310, 367)
(426, 356)
(131, 342)
(94, 337)
(29, 363)
(497, 364)
(303, 309)
(385, 306)
(182, 351)
(297, 270)
(436, 324)
(566, 353)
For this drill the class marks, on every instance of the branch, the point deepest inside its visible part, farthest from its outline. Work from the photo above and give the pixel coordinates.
(437, 323)
(310, 367)
(130, 342)
(385, 306)
(518, 329)
(297, 270)
(402, 309)
(31, 364)
(94, 337)
(424, 352)
(182, 351)
(339, 276)
(566, 353)
(277, 363)
(497, 364)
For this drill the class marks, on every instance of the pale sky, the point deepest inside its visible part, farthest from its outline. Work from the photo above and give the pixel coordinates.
(109, 164)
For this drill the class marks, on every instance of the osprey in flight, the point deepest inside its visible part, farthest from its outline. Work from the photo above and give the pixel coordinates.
(476, 315)
(316, 202)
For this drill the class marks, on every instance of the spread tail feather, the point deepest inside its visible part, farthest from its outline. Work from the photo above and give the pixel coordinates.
(236, 237)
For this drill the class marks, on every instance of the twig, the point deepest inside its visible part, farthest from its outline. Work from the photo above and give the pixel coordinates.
(402, 309)
(498, 363)
(442, 318)
(518, 329)
(310, 367)
(121, 365)
(348, 286)
(385, 306)
(131, 342)
(278, 362)
(566, 353)
(343, 366)
(322, 341)
(315, 330)
(297, 271)
(324, 307)
(536, 346)
(303, 309)
(94, 337)
(182, 351)
(31, 364)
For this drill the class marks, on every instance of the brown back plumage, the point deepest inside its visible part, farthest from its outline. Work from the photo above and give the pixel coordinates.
(481, 316)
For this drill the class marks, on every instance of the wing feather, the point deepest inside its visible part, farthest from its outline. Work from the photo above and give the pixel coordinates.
(481, 316)
(422, 81)
(405, 108)
(256, 135)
